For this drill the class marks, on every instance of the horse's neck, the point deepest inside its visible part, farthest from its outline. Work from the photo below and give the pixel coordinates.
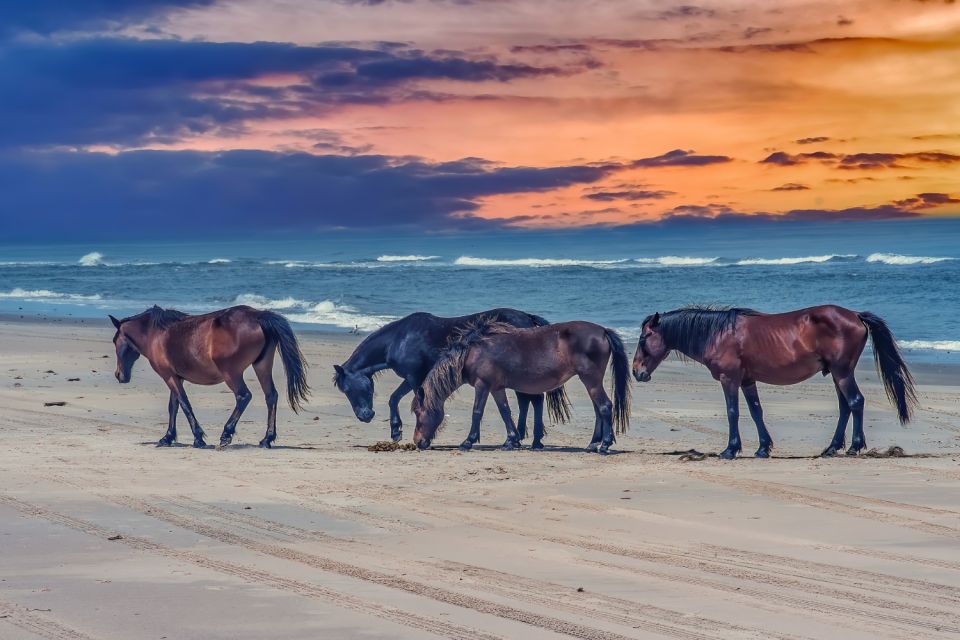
(372, 353)
(145, 338)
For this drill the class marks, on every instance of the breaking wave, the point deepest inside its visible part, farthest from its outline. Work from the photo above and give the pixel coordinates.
(895, 258)
(931, 345)
(470, 261)
(326, 312)
(42, 295)
(411, 258)
(92, 259)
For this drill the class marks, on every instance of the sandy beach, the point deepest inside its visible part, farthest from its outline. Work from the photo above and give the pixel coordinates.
(104, 536)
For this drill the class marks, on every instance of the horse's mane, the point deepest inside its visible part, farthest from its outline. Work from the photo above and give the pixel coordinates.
(159, 318)
(446, 376)
(689, 330)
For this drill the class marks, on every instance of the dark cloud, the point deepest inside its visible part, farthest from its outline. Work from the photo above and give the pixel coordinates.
(680, 158)
(551, 48)
(791, 186)
(862, 161)
(630, 195)
(127, 91)
(49, 16)
(752, 32)
(685, 11)
(812, 140)
(183, 193)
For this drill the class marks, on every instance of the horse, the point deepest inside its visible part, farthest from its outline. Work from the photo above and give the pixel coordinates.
(493, 356)
(742, 347)
(209, 349)
(410, 347)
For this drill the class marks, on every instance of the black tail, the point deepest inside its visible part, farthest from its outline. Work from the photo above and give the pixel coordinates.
(558, 405)
(897, 381)
(621, 381)
(277, 329)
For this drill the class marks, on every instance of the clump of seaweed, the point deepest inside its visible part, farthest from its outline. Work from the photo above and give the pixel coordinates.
(386, 445)
(889, 452)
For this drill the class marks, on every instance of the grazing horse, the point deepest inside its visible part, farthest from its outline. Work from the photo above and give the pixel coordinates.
(410, 347)
(210, 349)
(742, 347)
(493, 356)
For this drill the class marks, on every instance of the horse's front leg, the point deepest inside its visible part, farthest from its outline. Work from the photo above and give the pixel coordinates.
(597, 432)
(756, 412)
(523, 405)
(176, 386)
(396, 424)
(242, 396)
(481, 391)
(538, 427)
(731, 391)
(173, 406)
(513, 438)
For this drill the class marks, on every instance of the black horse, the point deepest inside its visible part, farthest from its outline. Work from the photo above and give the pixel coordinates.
(410, 347)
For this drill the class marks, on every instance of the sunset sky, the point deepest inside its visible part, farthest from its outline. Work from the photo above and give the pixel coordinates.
(119, 118)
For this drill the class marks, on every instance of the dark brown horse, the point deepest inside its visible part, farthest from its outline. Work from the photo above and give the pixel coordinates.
(493, 356)
(210, 349)
(742, 347)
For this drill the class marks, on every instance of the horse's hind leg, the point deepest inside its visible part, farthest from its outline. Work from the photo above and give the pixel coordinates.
(538, 427)
(513, 440)
(604, 410)
(756, 412)
(264, 370)
(172, 407)
(839, 436)
(731, 392)
(481, 391)
(597, 432)
(242, 396)
(523, 405)
(851, 393)
(176, 386)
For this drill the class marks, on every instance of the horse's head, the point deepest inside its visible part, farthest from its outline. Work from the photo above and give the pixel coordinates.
(429, 418)
(358, 387)
(127, 351)
(651, 349)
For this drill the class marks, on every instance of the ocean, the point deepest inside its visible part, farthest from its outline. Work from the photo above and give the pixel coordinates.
(908, 272)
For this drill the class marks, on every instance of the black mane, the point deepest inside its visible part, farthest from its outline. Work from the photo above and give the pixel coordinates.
(689, 330)
(159, 318)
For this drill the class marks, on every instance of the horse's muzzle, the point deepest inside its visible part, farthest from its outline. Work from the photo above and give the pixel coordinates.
(641, 376)
(423, 443)
(121, 379)
(365, 415)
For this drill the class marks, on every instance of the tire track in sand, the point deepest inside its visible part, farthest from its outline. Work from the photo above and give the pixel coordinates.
(41, 626)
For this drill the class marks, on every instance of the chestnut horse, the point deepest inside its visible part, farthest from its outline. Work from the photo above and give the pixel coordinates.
(210, 349)
(494, 356)
(742, 347)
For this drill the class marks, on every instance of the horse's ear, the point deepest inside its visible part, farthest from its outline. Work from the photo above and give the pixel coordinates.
(338, 369)
(655, 320)
(115, 322)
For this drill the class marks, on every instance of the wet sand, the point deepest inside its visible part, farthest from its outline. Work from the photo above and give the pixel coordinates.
(104, 536)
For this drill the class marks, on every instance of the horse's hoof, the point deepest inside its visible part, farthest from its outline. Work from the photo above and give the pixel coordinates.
(830, 451)
(728, 454)
(592, 447)
(266, 444)
(854, 451)
(466, 445)
(396, 435)
(199, 444)
(604, 450)
(536, 446)
(762, 453)
(165, 442)
(224, 443)
(510, 445)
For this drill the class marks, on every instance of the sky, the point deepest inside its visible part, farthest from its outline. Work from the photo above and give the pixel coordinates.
(163, 117)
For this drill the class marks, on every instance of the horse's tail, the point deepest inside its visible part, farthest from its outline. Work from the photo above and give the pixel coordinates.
(897, 381)
(277, 329)
(621, 381)
(558, 404)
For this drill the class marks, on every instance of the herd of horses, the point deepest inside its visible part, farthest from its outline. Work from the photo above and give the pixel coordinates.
(505, 349)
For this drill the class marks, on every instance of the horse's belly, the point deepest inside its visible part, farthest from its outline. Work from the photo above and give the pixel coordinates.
(785, 375)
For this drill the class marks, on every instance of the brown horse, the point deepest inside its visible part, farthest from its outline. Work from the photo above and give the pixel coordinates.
(210, 349)
(493, 356)
(742, 347)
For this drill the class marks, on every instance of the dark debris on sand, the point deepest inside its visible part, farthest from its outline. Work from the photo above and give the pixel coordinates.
(391, 446)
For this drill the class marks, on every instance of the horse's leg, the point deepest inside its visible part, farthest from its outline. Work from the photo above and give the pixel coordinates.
(851, 392)
(172, 407)
(396, 424)
(604, 409)
(597, 431)
(242, 396)
(523, 405)
(731, 391)
(513, 440)
(756, 412)
(176, 386)
(538, 427)
(481, 391)
(264, 370)
(839, 436)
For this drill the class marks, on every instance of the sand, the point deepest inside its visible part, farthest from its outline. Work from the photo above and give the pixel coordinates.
(104, 536)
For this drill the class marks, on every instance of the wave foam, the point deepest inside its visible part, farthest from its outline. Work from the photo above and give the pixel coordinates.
(44, 295)
(677, 261)
(931, 345)
(92, 259)
(219, 261)
(895, 258)
(470, 261)
(326, 312)
(788, 261)
(410, 258)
